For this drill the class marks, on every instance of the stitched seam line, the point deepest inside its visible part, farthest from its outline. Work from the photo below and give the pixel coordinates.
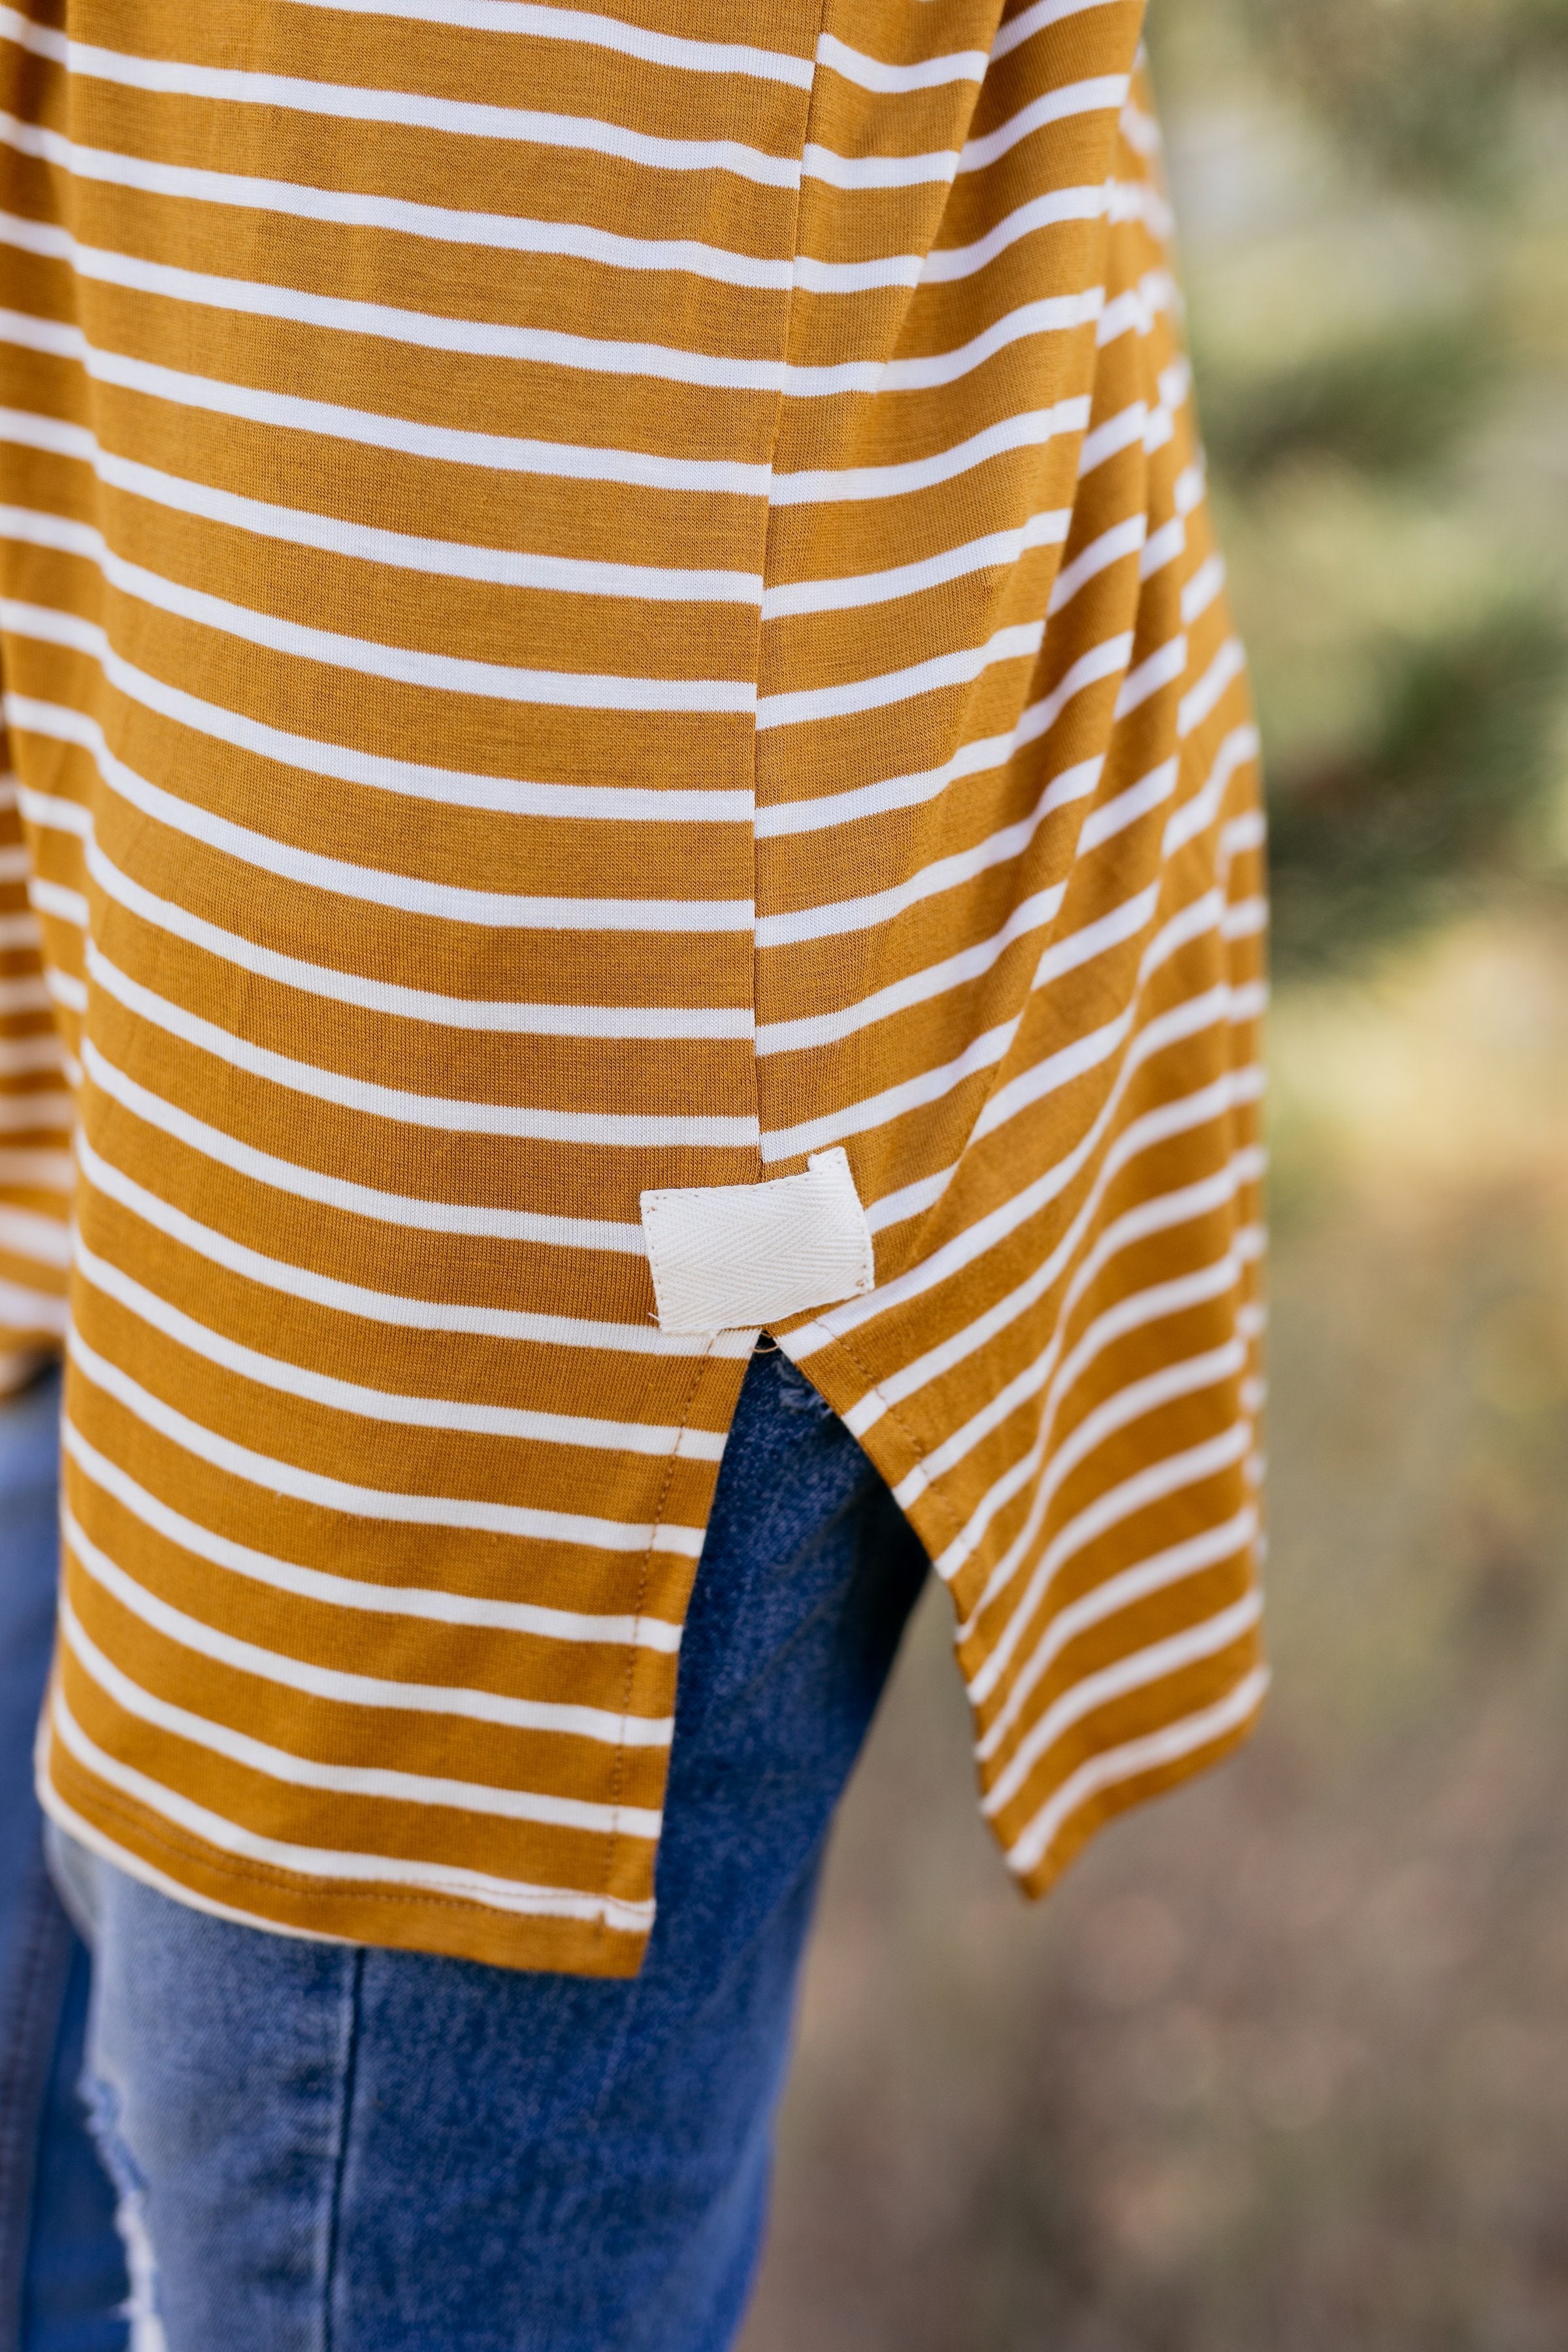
(617, 1778)
(341, 2153)
(223, 1866)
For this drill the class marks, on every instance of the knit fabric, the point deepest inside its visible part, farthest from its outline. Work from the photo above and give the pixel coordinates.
(597, 604)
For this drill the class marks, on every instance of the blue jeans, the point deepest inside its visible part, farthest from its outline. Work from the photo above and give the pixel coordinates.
(62, 2275)
(324, 2147)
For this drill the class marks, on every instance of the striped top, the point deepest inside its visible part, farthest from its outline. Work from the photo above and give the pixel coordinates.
(596, 602)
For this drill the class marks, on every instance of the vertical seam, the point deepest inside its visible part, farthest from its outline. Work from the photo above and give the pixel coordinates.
(618, 1779)
(823, 7)
(341, 2153)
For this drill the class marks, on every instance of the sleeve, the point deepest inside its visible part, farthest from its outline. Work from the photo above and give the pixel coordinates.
(36, 1116)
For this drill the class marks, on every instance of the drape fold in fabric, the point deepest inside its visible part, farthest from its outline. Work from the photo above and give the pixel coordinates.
(603, 603)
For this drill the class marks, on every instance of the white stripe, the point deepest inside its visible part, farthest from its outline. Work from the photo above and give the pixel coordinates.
(379, 1404)
(38, 1172)
(89, 1834)
(409, 893)
(856, 277)
(1202, 589)
(1074, 1060)
(1159, 1659)
(929, 882)
(1053, 1374)
(1154, 1483)
(52, 813)
(484, 1014)
(1125, 539)
(916, 1197)
(524, 18)
(946, 263)
(1161, 670)
(1021, 642)
(346, 1689)
(1247, 831)
(1054, 314)
(25, 1232)
(432, 1606)
(982, 1053)
(283, 1479)
(831, 1028)
(942, 165)
(422, 329)
(502, 567)
(1219, 1002)
(1195, 815)
(31, 1310)
(858, 171)
(1141, 130)
(1140, 800)
(406, 109)
(358, 1200)
(379, 1306)
(872, 73)
(1092, 97)
(66, 989)
(1163, 547)
(1182, 1205)
(53, 899)
(1121, 923)
(1199, 702)
(368, 429)
(398, 665)
(1123, 431)
(1190, 486)
(1031, 21)
(446, 1880)
(1134, 312)
(445, 786)
(1134, 1402)
(1030, 431)
(303, 1772)
(354, 208)
(1001, 548)
(27, 994)
(1118, 1592)
(629, 1130)
(1174, 1026)
(1153, 1753)
(1078, 946)
(974, 758)
(44, 1108)
(20, 1055)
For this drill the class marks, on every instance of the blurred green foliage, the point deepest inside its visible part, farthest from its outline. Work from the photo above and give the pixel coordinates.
(1432, 805)
(1374, 202)
(1395, 403)
(1421, 90)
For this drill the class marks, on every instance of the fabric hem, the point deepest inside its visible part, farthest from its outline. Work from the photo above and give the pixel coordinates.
(257, 1894)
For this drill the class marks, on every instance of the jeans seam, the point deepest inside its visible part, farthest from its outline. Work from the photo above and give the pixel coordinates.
(341, 2153)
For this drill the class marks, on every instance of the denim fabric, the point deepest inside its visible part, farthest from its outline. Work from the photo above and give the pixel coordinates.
(329, 2148)
(62, 2275)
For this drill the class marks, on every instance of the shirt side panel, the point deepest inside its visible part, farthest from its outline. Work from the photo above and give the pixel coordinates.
(1009, 905)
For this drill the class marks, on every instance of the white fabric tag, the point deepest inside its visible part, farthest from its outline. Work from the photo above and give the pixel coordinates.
(731, 1256)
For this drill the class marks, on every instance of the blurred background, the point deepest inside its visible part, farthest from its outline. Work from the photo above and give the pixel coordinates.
(1283, 2065)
